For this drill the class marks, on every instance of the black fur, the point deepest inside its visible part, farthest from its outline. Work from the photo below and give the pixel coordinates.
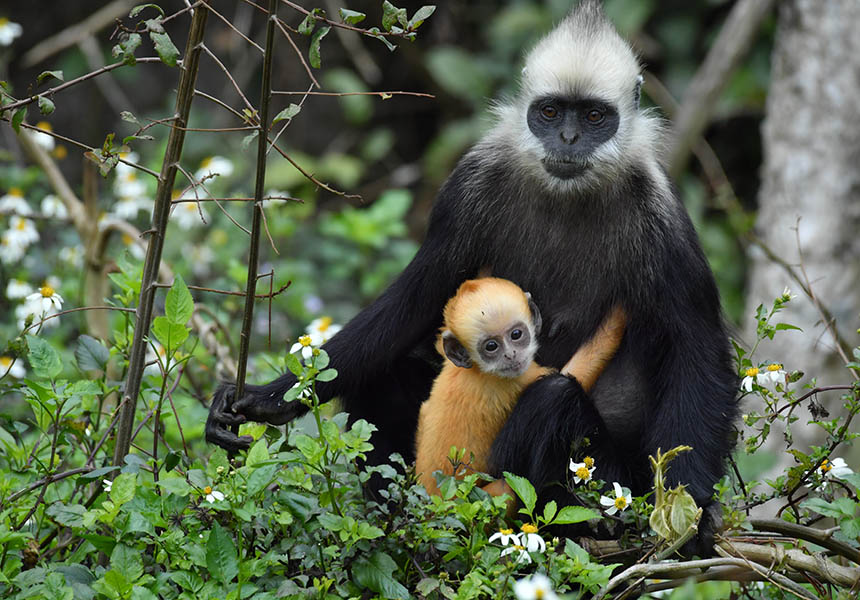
(671, 382)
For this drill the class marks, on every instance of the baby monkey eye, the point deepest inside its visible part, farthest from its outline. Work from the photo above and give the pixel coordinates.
(594, 116)
(516, 334)
(491, 346)
(549, 111)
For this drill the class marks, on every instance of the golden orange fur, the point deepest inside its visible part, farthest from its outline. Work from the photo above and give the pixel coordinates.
(467, 407)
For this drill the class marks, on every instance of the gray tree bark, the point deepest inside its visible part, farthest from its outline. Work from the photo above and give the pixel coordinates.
(810, 195)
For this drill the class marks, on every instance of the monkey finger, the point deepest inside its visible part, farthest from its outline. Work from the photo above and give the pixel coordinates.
(226, 438)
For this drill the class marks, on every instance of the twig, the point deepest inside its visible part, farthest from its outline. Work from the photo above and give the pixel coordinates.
(810, 534)
(732, 43)
(383, 95)
(230, 25)
(298, 53)
(46, 480)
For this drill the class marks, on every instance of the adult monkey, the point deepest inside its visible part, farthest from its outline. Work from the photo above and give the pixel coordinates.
(565, 197)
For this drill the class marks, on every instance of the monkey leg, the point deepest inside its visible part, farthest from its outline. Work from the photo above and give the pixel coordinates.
(591, 358)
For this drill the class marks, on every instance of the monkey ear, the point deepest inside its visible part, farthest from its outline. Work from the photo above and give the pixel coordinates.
(455, 351)
(536, 318)
(637, 93)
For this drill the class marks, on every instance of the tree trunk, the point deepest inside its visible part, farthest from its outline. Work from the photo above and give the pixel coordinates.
(810, 195)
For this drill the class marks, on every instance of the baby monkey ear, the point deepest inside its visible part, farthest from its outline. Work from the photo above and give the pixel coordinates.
(455, 351)
(536, 319)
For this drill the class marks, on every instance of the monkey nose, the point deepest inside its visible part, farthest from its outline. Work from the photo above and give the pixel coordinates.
(569, 138)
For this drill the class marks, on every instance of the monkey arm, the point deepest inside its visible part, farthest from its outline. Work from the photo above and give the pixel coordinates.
(591, 358)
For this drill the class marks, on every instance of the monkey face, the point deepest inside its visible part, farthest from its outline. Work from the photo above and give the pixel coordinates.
(570, 129)
(507, 353)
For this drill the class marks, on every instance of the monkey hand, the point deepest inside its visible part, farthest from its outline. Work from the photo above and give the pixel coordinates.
(711, 523)
(257, 404)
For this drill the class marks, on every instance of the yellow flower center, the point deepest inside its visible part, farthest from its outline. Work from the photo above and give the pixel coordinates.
(206, 162)
(60, 152)
(540, 593)
(127, 239)
(207, 490)
(174, 195)
(826, 466)
(621, 503)
(752, 372)
(774, 367)
(582, 473)
(131, 177)
(520, 548)
(502, 531)
(46, 291)
(325, 323)
(529, 528)
(190, 206)
(21, 225)
(16, 192)
(44, 126)
(3, 21)
(589, 462)
(305, 340)
(5, 362)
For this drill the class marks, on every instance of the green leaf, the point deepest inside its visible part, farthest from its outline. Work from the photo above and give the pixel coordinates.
(549, 511)
(327, 375)
(786, 326)
(574, 514)
(18, 118)
(45, 74)
(44, 360)
(90, 354)
(351, 17)
(374, 32)
(258, 453)
(179, 306)
(221, 557)
(171, 460)
(127, 47)
(294, 364)
(71, 515)
(97, 473)
(524, 489)
(249, 139)
(123, 488)
(127, 561)
(167, 52)
(46, 107)
(170, 335)
(376, 575)
(260, 478)
(141, 7)
(314, 52)
(288, 113)
(420, 16)
(822, 507)
(391, 16)
(306, 27)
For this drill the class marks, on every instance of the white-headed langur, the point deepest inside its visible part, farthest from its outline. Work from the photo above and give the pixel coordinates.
(566, 197)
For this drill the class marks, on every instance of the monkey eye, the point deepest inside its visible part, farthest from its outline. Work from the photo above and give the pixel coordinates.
(491, 346)
(594, 116)
(549, 111)
(516, 334)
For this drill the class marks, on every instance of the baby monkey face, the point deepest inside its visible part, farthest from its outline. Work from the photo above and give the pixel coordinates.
(507, 352)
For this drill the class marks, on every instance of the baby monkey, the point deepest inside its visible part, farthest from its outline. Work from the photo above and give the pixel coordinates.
(489, 337)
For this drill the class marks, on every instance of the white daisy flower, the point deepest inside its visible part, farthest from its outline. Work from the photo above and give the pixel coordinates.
(15, 368)
(134, 248)
(322, 330)
(128, 185)
(753, 375)
(531, 539)
(536, 587)
(212, 495)
(582, 471)
(107, 484)
(43, 139)
(620, 502)
(520, 553)
(126, 208)
(42, 304)
(305, 344)
(10, 250)
(774, 373)
(22, 231)
(74, 255)
(505, 536)
(54, 207)
(214, 165)
(9, 31)
(14, 202)
(836, 468)
(187, 214)
(17, 289)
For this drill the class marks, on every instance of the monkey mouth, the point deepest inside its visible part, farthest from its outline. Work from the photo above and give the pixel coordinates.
(565, 168)
(514, 370)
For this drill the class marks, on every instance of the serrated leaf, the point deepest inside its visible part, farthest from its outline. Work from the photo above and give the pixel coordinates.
(260, 478)
(524, 489)
(258, 453)
(574, 514)
(167, 52)
(351, 17)
(141, 7)
(44, 360)
(221, 557)
(170, 335)
(314, 51)
(90, 354)
(123, 488)
(127, 561)
(376, 574)
(391, 15)
(288, 113)
(45, 74)
(420, 16)
(71, 515)
(178, 305)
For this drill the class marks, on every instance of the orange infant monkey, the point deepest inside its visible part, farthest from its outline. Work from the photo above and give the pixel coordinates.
(489, 337)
